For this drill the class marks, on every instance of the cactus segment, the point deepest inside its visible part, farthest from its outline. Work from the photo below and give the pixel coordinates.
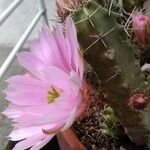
(109, 51)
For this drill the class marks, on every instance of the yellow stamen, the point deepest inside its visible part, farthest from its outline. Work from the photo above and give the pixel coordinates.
(52, 95)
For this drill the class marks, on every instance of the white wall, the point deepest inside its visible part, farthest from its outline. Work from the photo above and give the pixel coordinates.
(13, 28)
(10, 32)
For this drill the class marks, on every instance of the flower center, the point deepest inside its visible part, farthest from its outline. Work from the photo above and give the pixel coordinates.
(52, 95)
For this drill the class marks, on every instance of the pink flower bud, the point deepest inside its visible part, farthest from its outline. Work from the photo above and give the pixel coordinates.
(141, 28)
(138, 101)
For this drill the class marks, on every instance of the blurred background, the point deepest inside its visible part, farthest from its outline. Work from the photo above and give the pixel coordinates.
(10, 32)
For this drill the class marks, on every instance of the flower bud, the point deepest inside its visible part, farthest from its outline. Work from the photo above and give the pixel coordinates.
(138, 101)
(141, 28)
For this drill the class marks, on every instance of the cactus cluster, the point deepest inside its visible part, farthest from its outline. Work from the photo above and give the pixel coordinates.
(111, 125)
(111, 51)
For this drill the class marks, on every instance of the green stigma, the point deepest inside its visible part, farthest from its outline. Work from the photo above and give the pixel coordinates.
(52, 95)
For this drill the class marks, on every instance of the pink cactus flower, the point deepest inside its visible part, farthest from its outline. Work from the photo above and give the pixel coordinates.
(141, 27)
(45, 101)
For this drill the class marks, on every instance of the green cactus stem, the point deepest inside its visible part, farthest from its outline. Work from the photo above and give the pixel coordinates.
(108, 50)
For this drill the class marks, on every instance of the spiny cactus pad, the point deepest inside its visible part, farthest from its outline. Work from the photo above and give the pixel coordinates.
(108, 50)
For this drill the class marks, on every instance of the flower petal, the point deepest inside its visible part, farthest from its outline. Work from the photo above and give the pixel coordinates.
(35, 49)
(72, 42)
(57, 127)
(32, 63)
(11, 113)
(27, 98)
(33, 111)
(42, 143)
(60, 39)
(27, 143)
(55, 51)
(51, 117)
(56, 77)
(23, 133)
(70, 120)
(25, 83)
(27, 90)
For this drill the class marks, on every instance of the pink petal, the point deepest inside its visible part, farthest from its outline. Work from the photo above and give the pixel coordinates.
(26, 82)
(27, 143)
(51, 117)
(70, 120)
(32, 63)
(75, 82)
(12, 113)
(27, 98)
(71, 38)
(69, 49)
(35, 49)
(27, 90)
(15, 111)
(40, 115)
(54, 129)
(67, 100)
(35, 115)
(54, 49)
(23, 133)
(8, 90)
(42, 143)
(60, 39)
(56, 77)
(46, 49)
(42, 49)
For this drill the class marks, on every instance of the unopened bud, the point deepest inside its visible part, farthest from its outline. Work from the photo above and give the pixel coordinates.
(138, 101)
(141, 28)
